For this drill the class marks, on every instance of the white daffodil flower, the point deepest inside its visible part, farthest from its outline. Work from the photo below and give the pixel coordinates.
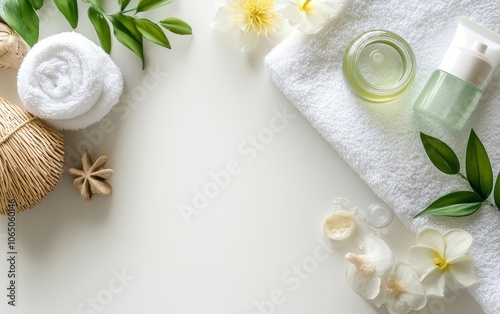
(440, 260)
(309, 16)
(401, 291)
(364, 272)
(254, 19)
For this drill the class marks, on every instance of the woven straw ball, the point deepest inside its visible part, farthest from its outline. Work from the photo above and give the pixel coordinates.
(31, 158)
(12, 48)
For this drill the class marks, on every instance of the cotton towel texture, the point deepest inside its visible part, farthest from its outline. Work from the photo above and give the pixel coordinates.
(381, 141)
(69, 81)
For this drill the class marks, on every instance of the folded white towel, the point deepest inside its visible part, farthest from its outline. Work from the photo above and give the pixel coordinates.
(69, 81)
(381, 141)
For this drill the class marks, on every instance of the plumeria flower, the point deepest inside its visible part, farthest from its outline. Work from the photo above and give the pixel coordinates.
(364, 272)
(401, 291)
(309, 16)
(440, 259)
(254, 19)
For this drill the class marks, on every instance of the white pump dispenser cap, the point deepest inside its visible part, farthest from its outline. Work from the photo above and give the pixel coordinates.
(473, 55)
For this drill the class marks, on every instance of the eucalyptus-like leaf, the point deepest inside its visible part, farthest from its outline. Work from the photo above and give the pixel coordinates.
(22, 18)
(129, 23)
(176, 26)
(68, 8)
(456, 204)
(124, 36)
(496, 192)
(478, 167)
(36, 4)
(440, 154)
(152, 32)
(146, 5)
(101, 27)
(123, 4)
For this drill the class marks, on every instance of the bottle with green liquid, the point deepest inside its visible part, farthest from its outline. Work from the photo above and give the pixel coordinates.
(455, 88)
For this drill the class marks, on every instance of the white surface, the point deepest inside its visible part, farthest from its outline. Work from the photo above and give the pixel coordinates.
(192, 122)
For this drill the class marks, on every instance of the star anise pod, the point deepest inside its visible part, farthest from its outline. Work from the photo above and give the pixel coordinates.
(92, 178)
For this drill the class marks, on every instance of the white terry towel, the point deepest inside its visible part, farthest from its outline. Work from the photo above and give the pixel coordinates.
(69, 81)
(381, 141)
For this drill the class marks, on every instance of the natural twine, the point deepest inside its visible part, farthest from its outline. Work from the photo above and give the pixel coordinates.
(31, 158)
(12, 48)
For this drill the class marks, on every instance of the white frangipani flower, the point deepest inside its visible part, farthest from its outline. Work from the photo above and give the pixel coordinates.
(401, 291)
(309, 16)
(440, 259)
(364, 272)
(254, 19)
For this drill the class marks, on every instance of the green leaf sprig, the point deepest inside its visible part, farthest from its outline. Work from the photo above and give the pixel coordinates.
(128, 29)
(479, 175)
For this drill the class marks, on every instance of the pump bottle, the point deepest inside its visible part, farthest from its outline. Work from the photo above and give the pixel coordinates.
(455, 88)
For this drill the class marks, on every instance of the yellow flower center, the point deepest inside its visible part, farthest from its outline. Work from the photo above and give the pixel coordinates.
(395, 288)
(305, 6)
(257, 16)
(440, 262)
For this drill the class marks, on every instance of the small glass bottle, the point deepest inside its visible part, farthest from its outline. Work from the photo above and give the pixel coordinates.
(455, 88)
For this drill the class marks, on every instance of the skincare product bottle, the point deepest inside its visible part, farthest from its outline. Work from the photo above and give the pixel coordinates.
(454, 89)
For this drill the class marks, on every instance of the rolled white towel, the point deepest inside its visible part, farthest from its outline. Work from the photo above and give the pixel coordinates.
(69, 81)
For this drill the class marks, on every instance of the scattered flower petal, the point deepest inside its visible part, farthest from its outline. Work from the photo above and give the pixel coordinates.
(440, 260)
(309, 16)
(401, 291)
(364, 272)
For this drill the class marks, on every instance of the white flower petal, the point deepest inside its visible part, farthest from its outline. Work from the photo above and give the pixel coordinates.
(366, 286)
(380, 253)
(432, 238)
(457, 242)
(414, 296)
(381, 298)
(420, 258)
(434, 282)
(397, 308)
(374, 264)
(222, 20)
(464, 272)
(311, 19)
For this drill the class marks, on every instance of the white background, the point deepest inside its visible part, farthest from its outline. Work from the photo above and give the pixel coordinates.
(189, 114)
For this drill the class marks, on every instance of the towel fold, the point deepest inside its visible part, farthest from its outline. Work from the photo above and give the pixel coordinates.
(381, 141)
(69, 81)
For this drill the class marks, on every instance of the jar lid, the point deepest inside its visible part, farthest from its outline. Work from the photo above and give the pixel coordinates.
(379, 65)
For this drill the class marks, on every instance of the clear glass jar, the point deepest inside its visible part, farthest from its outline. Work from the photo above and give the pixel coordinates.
(379, 65)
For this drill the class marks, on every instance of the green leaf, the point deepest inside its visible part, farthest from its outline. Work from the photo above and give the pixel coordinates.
(129, 23)
(97, 4)
(68, 8)
(36, 4)
(441, 155)
(478, 167)
(152, 32)
(456, 204)
(146, 5)
(496, 193)
(176, 26)
(101, 27)
(124, 36)
(123, 4)
(22, 18)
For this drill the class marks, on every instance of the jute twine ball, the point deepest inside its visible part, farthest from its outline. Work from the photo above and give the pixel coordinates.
(31, 158)
(12, 48)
